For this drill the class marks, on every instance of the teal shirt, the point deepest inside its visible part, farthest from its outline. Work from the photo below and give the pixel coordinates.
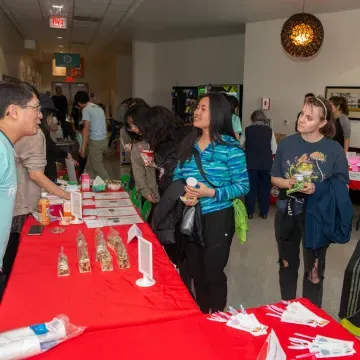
(225, 167)
(95, 114)
(8, 187)
(236, 124)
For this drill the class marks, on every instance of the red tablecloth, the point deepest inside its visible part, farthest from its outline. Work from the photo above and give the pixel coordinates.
(98, 300)
(190, 338)
(354, 185)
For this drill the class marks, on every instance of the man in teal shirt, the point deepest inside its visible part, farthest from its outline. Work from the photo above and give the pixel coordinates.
(236, 122)
(19, 117)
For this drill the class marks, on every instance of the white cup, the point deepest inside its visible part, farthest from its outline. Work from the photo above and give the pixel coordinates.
(191, 181)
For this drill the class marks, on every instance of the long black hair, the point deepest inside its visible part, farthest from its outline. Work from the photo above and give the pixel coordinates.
(159, 126)
(136, 113)
(44, 126)
(220, 124)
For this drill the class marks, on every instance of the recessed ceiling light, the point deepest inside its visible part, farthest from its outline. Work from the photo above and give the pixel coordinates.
(59, 37)
(58, 6)
(61, 46)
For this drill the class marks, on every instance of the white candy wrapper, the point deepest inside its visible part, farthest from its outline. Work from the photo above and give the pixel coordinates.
(35, 339)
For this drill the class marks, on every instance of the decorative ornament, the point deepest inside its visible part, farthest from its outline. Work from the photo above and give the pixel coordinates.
(302, 34)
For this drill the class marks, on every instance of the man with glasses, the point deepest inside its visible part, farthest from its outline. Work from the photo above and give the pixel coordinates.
(19, 117)
(94, 135)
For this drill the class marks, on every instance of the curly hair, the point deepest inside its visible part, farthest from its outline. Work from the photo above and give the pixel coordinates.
(342, 103)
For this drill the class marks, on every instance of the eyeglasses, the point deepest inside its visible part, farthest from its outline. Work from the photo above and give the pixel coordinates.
(38, 107)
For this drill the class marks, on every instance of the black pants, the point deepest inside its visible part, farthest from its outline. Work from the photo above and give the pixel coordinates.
(8, 261)
(114, 131)
(350, 299)
(259, 190)
(206, 264)
(82, 164)
(288, 233)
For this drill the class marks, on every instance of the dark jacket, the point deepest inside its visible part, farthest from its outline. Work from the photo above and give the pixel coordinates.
(329, 215)
(168, 214)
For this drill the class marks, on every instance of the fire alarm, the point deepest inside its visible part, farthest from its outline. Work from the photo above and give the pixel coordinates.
(265, 104)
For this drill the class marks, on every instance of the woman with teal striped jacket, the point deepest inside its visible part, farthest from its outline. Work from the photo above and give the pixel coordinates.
(223, 179)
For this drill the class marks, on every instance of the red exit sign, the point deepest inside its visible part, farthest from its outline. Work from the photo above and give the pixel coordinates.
(58, 22)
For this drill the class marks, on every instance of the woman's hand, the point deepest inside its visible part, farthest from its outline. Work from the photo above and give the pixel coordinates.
(128, 147)
(66, 195)
(309, 188)
(191, 202)
(151, 198)
(69, 157)
(199, 192)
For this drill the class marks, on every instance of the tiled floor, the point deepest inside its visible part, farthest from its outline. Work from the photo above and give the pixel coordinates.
(253, 270)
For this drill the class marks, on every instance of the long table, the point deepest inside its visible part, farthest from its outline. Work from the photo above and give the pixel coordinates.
(192, 337)
(97, 300)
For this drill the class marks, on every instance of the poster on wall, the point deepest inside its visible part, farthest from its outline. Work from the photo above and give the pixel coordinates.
(58, 71)
(351, 94)
(78, 72)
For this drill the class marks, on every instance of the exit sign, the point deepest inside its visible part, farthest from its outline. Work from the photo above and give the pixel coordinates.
(58, 22)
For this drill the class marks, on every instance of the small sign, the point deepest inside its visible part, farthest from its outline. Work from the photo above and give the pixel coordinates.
(134, 232)
(67, 60)
(57, 70)
(265, 104)
(58, 22)
(78, 72)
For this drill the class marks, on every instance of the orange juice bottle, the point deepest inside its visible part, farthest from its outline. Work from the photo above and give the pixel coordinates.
(44, 209)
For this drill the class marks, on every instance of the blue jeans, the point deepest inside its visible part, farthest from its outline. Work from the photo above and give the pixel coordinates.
(260, 184)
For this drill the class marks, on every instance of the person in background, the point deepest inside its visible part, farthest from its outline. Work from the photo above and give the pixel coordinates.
(340, 112)
(306, 99)
(94, 135)
(223, 177)
(313, 155)
(53, 153)
(144, 176)
(260, 145)
(119, 119)
(82, 160)
(61, 105)
(19, 116)
(76, 116)
(236, 121)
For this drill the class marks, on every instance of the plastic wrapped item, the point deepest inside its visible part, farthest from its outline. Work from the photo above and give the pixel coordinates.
(83, 253)
(63, 265)
(33, 340)
(98, 184)
(122, 257)
(113, 239)
(103, 255)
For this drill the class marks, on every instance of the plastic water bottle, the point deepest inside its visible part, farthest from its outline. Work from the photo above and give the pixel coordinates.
(85, 182)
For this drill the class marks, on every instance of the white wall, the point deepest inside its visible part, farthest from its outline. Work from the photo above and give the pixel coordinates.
(14, 60)
(270, 72)
(160, 66)
(143, 76)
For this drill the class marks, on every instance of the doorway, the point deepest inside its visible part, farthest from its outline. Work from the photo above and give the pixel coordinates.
(69, 89)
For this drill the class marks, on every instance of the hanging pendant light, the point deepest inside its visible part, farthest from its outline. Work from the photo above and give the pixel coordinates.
(302, 34)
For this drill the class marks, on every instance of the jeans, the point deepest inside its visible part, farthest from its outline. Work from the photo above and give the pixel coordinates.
(259, 190)
(288, 233)
(206, 264)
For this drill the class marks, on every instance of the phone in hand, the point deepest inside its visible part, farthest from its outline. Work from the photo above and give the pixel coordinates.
(36, 230)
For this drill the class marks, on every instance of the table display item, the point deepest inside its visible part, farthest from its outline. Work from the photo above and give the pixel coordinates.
(83, 253)
(116, 244)
(112, 195)
(44, 209)
(296, 313)
(85, 182)
(63, 264)
(113, 203)
(114, 185)
(145, 260)
(240, 320)
(57, 230)
(76, 207)
(98, 184)
(67, 208)
(33, 340)
(103, 255)
(321, 346)
(113, 238)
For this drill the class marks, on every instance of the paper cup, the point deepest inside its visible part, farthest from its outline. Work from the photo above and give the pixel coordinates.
(191, 181)
(149, 154)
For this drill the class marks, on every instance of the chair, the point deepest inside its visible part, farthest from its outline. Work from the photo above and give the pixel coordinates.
(136, 198)
(125, 181)
(146, 209)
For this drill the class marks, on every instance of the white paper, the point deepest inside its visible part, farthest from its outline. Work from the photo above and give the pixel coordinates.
(125, 220)
(88, 195)
(275, 351)
(123, 211)
(90, 212)
(112, 196)
(92, 224)
(113, 203)
(88, 202)
(134, 232)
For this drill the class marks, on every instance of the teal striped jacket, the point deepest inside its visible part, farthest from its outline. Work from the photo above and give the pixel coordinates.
(225, 166)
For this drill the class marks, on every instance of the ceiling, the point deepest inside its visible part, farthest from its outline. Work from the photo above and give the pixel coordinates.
(95, 25)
